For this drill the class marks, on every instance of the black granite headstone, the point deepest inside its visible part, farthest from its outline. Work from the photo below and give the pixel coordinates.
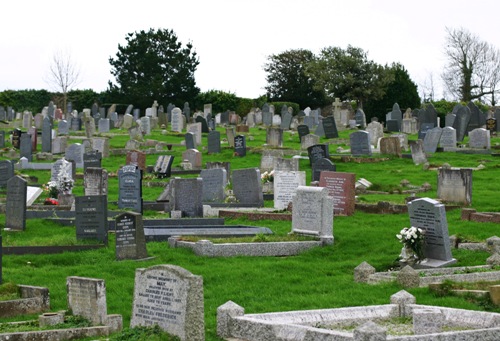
(360, 143)
(204, 124)
(330, 128)
(247, 186)
(302, 130)
(320, 166)
(92, 159)
(16, 138)
(15, 206)
(130, 188)
(213, 141)
(316, 152)
(130, 240)
(91, 217)
(190, 140)
(240, 145)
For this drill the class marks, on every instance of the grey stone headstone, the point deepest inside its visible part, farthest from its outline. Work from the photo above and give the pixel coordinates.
(6, 172)
(360, 118)
(178, 308)
(322, 165)
(428, 115)
(330, 128)
(240, 145)
(25, 149)
(274, 137)
(479, 138)
(95, 181)
(286, 120)
(302, 130)
(316, 152)
(312, 212)
(47, 135)
(87, 298)
(267, 118)
(75, 153)
(2, 139)
(430, 215)
(76, 124)
(15, 206)
(286, 164)
(214, 183)
(431, 139)
(188, 195)
(130, 239)
(92, 159)
(393, 126)
(448, 140)
(477, 119)
(267, 159)
(417, 152)
(186, 111)
(190, 140)
(424, 128)
(496, 115)
(449, 120)
(91, 217)
(3, 114)
(462, 119)
(455, 185)
(213, 142)
(224, 118)
(360, 143)
(219, 164)
(130, 188)
(104, 125)
(163, 166)
(247, 186)
(63, 127)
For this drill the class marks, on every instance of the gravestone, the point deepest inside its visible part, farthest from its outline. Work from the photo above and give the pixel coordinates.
(136, 158)
(130, 239)
(193, 156)
(219, 164)
(431, 139)
(274, 137)
(1, 251)
(285, 164)
(2, 139)
(302, 131)
(376, 131)
(312, 212)
(424, 128)
(87, 298)
(286, 120)
(163, 166)
(455, 185)
(319, 129)
(428, 115)
(276, 120)
(203, 122)
(316, 152)
(448, 140)
(417, 152)
(15, 206)
(34, 138)
(341, 186)
(95, 181)
(390, 146)
(395, 115)
(462, 119)
(247, 186)
(61, 168)
(285, 187)
(267, 159)
(104, 125)
(101, 144)
(224, 118)
(360, 143)
(477, 119)
(190, 140)
(491, 125)
(308, 141)
(479, 138)
(322, 165)
(91, 217)
(213, 142)
(195, 128)
(6, 172)
(240, 145)
(188, 195)
(63, 127)
(330, 128)
(76, 124)
(26, 146)
(214, 184)
(130, 188)
(59, 144)
(128, 121)
(496, 115)
(430, 215)
(360, 118)
(449, 119)
(92, 159)
(172, 298)
(177, 120)
(75, 153)
(230, 134)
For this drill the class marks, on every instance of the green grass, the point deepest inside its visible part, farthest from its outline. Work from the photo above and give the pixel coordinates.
(316, 279)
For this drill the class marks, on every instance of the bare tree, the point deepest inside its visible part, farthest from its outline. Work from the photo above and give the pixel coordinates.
(428, 87)
(473, 69)
(63, 74)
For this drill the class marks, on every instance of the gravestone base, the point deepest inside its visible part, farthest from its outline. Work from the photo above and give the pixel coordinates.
(434, 263)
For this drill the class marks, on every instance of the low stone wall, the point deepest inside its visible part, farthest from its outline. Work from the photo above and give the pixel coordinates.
(471, 214)
(57, 334)
(255, 216)
(209, 249)
(33, 300)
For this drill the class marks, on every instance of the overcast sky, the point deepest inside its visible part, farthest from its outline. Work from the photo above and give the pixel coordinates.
(234, 38)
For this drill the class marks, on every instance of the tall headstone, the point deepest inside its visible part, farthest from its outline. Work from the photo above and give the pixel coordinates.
(95, 181)
(6, 172)
(188, 195)
(130, 188)
(15, 206)
(172, 298)
(247, 186)
(214, 183)
(177, 120)
(360, 143)
(190, 140)
(430, 216)
(240, 145)
(91, 217)
(130, 239)
(312, 212)
(341, 187)
(285, 187)
(230, 133)
(455, 185)
(47, 135)
(213, 142)
(26, 146)
(376, 131)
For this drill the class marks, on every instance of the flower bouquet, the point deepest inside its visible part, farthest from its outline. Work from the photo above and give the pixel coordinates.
(412, 239)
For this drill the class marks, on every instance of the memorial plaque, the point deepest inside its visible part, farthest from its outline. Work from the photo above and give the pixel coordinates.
(316, 152)
(172, 298)
(213, 139)
(320, 166)
(247, 186)
(240, 145)
(15, 206)
(360, 143)
(188, 195)
(430, 216)
(285, 186)
(95, 181)
(130, 240)
(130, 188)
(214, 184)
(91, 217)
(87, 298)
(341, 186)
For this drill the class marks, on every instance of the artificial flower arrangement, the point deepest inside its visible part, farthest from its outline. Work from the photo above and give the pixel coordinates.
(413, 239)
(267, 176)
(63, 184)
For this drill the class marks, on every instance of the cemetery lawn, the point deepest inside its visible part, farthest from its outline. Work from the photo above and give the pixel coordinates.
(320, 278)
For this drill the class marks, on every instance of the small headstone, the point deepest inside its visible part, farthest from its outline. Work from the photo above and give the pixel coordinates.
(130, 188)
(455, 185)
(203, 122)
(448, 140)
(341, 186)
(322, 165)
(172, 298)
(479, 138)
(163, 166)
(188, 195)
(285, 187)
(91, 217)
(136, 158)
(15, 206)
(87, 298)
(285, 164)
(214, 183)
(218, 164)
(360, 143)
(104, 125)
(213, 142)
(308, 141)
(312, 212)
(302, 131)
(491, 125)
(430, 215)
(390, 146)
(240, 146)
(274, 137)
(95, 181)
(130, 240)
(316, 152)
(92, 159)
(230, 133)
(417, 152)
(76, 124)
(247, 186)
(63, 127)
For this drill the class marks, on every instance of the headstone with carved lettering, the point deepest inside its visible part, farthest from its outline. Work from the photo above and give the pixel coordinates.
(341, 186)
(285, 187)
(130, 188)
(240, 145)
(15, 206)
(130, 239)
(455, 185)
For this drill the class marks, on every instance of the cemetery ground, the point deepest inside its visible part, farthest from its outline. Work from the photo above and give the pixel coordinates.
(316, 279)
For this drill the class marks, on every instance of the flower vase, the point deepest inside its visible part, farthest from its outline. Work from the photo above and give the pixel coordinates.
(268, 187)
(408, 256)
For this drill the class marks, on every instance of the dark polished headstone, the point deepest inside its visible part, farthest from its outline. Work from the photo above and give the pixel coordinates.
(130, 239)
(330, 128)
(322, 165)
(130, 188)
(15, 207)
(92, 159)
(316, 152)
(91, 217)
(163, 166)
(188, 197)
(26, 146)
(360, 143)
(213, 141)
(302, 130)
(240, 145)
